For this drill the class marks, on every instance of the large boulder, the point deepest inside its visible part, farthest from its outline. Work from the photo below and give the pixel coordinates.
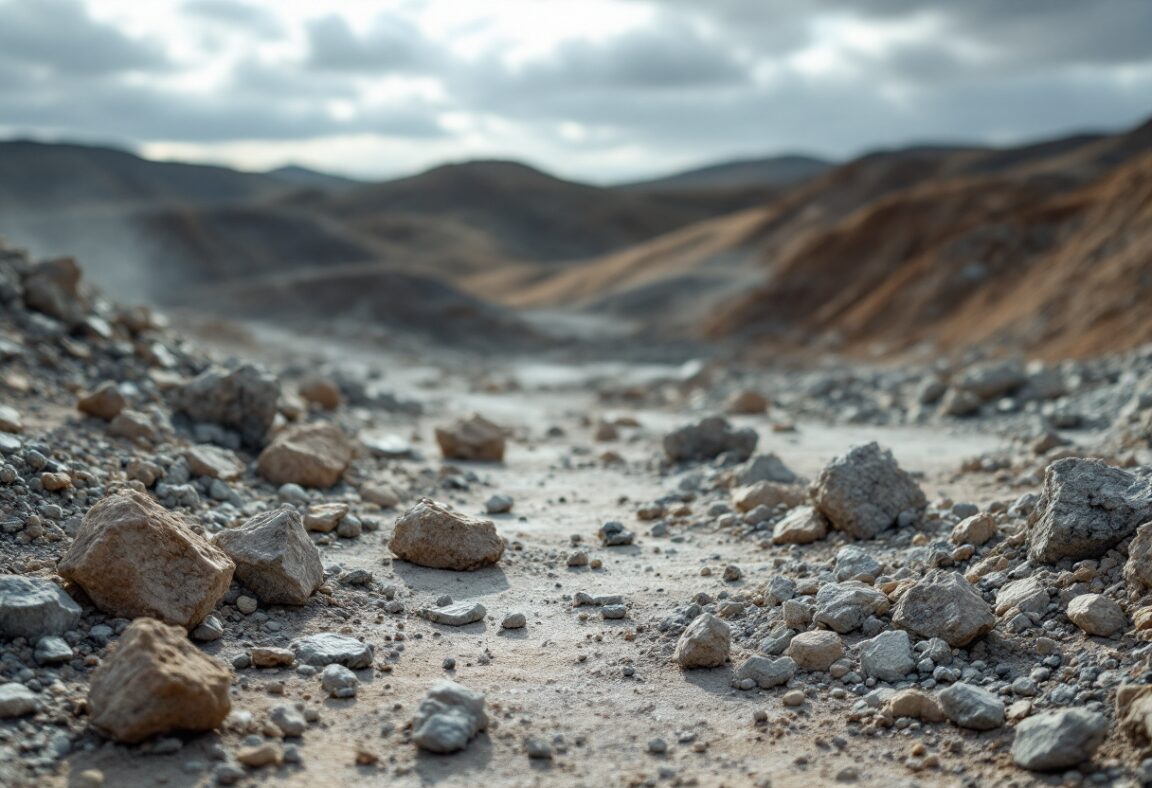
(448, 717)
(865, 491)
(134, 558)
(31, 607)
(944, 605)
(311, 455)
(1086, 508)
(1058, 739)
(244, 399)
(154, 682)
(431, 534)
(274, 557)
(704, 644)
(708, 438)
(473, 438)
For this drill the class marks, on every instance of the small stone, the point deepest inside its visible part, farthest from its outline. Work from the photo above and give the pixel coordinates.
(10, 420)
(888, 656)
(704, 644)
(270, 657)
(793, 698)
(537, 749)
(274, 557)
(339, 682)
(972, 707)
(311, 455)
(383, 495)
(448, 717)
(246, 605)
(32, 607)
(260, 755)
(767, 672)
(733, 573)
(1096, 614)
(430, 534)
(324, 517)
(614, 534)
(16, 700)
(1059, 739)
(916, 704)
(975, 530)
(320, 391)
(329, 648)
(747, 402)
(498, 504)
(211, 628)
(514, 621)
(133, 425)
(456, 615)
(943, 604)
(709, 438)
(213, 462)
(245, 399)
(52, 650)
(289, 720)
(816, 650)
(473, 438)
(613, 612)
(768, 494)
(104, 402)
(843, 607)
(864, 492)
(802, 525)
(89, 778)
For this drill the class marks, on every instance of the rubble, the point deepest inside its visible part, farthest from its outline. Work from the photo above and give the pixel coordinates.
(430, 534)
(865, 492)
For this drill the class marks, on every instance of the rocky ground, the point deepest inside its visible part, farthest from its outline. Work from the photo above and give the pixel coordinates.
(252, 556)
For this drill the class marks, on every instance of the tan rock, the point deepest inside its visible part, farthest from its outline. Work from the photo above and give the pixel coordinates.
(380, 494)
(975, 530)
(260, 755)
(1138, 567)
(1096, 614)
(473, 438)
(10, 419)
(747, 402)
(55, 481)
(430, 534)
(1134, 712)
(324, 517)
(104, 402)
(133, 425)
(770, 494)
(311, 455)
(53, 287)
(916, 704)
(322, 392)
(704, 644)
(134, 558)
(214, 462)
(802, 525)
(274, 557)
(156, 682)
(815, 650)
(271, 657)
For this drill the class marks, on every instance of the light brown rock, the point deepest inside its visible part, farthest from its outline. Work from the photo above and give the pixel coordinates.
(214, 462)
(770, 494)
(274, 557)
(156, 682)
(473, 438)
(104, 402)
(430, 534)
(10, 419)
(1096, 614)
(916, 704)
(322, 392)
(383, 495)
(53, 287)
(747, 402)
(802, 525)
(324, 517)
(134, 558)
(815, 650)
(133, 425)
(975, 530)
(704, 644)
(311, 455)
(1138, 567)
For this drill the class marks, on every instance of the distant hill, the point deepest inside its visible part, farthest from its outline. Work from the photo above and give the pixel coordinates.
(771, 171)
(296, 175)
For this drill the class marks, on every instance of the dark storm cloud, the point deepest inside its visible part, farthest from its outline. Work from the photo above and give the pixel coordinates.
(236, 14)
(392, 45)
(59, 37)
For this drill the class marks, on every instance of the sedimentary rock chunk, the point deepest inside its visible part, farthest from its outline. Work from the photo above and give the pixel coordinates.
(16, 700)
(448, 717)
(843, 607)
(709, 438)
(815, 650)
(770, 494)
(1026, 595)
(31, 607)
(311, 455)
(1096, 614)
(430, 534)
(155, 682)
(458, 614)
(944, 605)
(972, 707)
(990, 379)
(975, 530)
(214, 462)
(104, 402)
(802, 525)
(766, 671)
(915, 703)
(1138, 567)
(473, 438)
(327, 648)
(134, 558)
(865, 491)
(244, 399)
(766, 468)
(1086, 507)
(274, 557)
(704, 644)
(888, 656)
(1058, 739)
(321, 391)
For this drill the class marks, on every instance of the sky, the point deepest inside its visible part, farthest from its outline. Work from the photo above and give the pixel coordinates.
(599, 90)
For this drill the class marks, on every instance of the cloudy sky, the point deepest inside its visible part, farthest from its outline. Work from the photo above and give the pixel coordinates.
(594, 89)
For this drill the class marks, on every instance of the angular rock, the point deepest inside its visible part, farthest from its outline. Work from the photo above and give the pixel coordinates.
(972, 707)
(499, 504)
(430, 534)
(1086, 508)
(1138, 567)
(614, 534)
(853, 562)
(325, 517)
(1096, 614)
(448, 717)
(244, 399)
(52, 650)
(708, 438)
(864, 492)
(53, 288)
(383, 495)
(888, 656)
(816, 650)
(975, 530)
(31, 607)
(311, 455)
(327, 648)
(704, 644)
(156, 682)
(16, 700)
(339, 682)
(134, 425)
(104, 402)
(274, 557)
(456, 615)
(802, 525)
(944, 605)
(473, 438)
(1059, 739)
(214, 462)
(767, 672)
(916, 704)
(134, 558)
(843, 607)
(766, 468)
(770, 494)
(1026, 595)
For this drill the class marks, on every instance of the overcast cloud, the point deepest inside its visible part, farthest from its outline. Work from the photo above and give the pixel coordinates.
(593, 89)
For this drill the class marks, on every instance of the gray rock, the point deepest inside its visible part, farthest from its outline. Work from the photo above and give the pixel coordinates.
(1059, 739)
(52, 650)
(448, 717)
(499, 504)
(888, 656)
(31, 608)
(766, 672)
(274, 557)
(843, 607)
(245, 399)
(16, 700)
(514, 621)
(704, 644)
(289, 720)
(944, 605)
(456, 615)
(853, 561)
(1026, 595)
(766, 468)
(991, 379)
(614, 534)
(972, 707)
(328, 648)
(339, 682)
(709, 438)
(208, 630)
(1086, 507)
(864, 492)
